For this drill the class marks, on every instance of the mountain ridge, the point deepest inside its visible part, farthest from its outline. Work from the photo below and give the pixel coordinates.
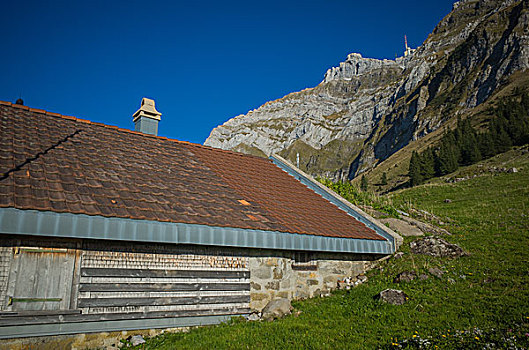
(367, 109)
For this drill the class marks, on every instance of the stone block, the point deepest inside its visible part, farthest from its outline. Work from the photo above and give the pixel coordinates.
(331, 278)
(313, 282)
(335, 267)
(358, 268)
(301, 293)
(327, 286)
(258, 305)
(301, 283)
(284, 294)
(255, 286)
(259, 296)
(271, 262)
(262, 272)
(278, 273)
(285, 284)
(273, 285)
(315, 293)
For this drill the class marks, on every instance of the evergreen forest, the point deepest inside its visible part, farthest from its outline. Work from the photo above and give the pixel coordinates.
(465, 145)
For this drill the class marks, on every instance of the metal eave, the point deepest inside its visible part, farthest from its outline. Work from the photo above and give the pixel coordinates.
(316, 187)
(67, 225)
(39, 330)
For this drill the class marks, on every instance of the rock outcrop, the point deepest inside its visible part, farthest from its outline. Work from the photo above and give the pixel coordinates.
(276, 308)
(366, 109)
(392, 296)
(406, 276)
(436, 247)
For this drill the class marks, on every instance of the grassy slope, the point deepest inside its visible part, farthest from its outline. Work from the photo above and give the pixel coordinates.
(396, 166)
(333, 156)
(487, 289)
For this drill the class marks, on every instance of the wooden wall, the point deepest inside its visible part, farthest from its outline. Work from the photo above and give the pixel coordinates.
(101, 280)
(36, 274)
(152, 279)
(6, 254)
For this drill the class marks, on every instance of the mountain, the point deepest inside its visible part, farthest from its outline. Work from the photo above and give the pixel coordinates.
(365, 110)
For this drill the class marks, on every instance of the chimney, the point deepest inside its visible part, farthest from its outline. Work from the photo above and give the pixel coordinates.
(147, 117)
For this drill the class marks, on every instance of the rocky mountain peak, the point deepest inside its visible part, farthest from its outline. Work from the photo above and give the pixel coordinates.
(366, 109)
(356, 65)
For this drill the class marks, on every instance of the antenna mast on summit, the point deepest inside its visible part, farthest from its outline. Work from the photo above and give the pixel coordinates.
(408, 51)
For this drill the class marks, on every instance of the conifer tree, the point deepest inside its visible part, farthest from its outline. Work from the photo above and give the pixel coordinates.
(525, 102)
(427, 164)
(502, 141)
(415, 169)
(470, 153)
(450, 139)
(384, 180)
(363, 183)
(446, 159)
(486, 145)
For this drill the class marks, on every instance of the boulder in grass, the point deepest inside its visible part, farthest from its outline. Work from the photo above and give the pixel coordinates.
(392, 296)
(406, 276)
(436, 272)
(276, 308)
(136, 340)
(398, 255)
(254, 316)
(436, 247)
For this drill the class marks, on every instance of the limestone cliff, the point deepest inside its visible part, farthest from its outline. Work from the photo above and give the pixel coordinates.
(367, 109)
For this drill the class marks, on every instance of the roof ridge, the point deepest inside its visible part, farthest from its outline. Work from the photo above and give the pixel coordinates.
(117, 128)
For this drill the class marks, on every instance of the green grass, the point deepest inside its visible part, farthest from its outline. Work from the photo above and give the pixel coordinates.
(482, 298)
(355, 195)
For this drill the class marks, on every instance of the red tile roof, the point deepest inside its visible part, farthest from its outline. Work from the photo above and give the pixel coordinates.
(64, 164)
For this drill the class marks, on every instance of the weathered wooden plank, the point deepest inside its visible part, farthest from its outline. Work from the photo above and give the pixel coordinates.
(108, 302)
(39, 313)
(84, 280)
(109, 272)
(165, 308)
(41, 250)
(76, 276)
(67, 318)
(127, 294)
(157, 287)
(41, 279)
(32, 300)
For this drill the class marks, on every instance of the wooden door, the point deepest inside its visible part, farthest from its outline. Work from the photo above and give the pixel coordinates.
(41, 279)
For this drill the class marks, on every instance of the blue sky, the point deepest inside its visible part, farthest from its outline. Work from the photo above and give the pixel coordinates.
(202, 61)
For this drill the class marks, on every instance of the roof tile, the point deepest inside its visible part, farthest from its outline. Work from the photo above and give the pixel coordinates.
(65, 164)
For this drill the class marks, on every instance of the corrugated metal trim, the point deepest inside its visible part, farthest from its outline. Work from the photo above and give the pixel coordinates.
(36, 330)
(310, 183)
(51, 224)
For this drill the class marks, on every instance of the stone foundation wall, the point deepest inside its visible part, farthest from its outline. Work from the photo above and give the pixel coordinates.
(285, 277)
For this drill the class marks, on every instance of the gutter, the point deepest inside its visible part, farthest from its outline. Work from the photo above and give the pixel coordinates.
(66, 225)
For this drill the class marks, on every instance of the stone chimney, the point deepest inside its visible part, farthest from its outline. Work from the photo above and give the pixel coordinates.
(147, 117)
